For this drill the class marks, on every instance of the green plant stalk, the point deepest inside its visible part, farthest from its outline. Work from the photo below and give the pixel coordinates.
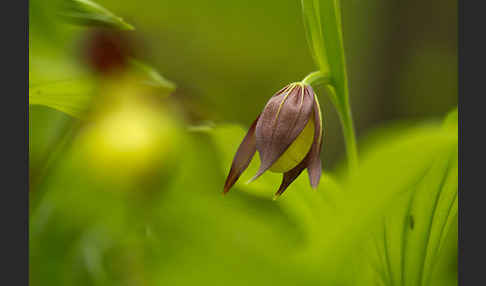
(322, 21)
(346, 118)
(344, 110)
(313, 29)
(317, 78)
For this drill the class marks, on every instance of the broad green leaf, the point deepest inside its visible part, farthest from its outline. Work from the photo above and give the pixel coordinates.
(73, 96)
(69, 96)
(89, 13)
(336, 219)
(179, 218)
(299, 200)
(413, 239)
(151, 76)
(390, 171)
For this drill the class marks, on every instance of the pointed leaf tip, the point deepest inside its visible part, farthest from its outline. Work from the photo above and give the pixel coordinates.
(89, 13)
(150, 76)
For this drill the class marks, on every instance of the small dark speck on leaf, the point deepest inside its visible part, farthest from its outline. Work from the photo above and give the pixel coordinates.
(412, 222)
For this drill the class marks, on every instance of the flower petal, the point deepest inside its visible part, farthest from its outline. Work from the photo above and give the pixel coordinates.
(312, 161)
(242, 158)
(283, 90)
(282, 120)
(314, 168)
(290, 176)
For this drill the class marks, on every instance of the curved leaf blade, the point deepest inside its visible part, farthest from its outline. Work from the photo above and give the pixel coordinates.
(89, 13)
(150, 76)
(72, 97)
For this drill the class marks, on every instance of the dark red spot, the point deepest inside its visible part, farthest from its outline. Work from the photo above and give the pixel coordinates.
(106, 50)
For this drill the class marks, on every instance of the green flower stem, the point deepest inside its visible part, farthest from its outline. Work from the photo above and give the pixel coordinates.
(317, 78)
(344, 110)
(346, 118)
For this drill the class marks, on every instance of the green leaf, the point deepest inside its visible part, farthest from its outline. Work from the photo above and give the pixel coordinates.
(337, 219)
(333, 38)
(416, 229)
(151, 76)
(313, 29)
(451, 120)
(89, 13)
(391, 171)
(323, 27)
(74, 96)
(69, 96)
(324, 30)
(411, 242)
(299, 201)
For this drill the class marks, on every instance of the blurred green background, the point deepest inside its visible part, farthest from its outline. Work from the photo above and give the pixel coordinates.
(131, 194)
(228, 57)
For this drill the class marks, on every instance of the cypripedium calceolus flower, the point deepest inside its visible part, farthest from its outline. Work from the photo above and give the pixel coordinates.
(287, 136)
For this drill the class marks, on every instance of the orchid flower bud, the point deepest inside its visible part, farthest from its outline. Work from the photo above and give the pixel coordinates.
(287, 136)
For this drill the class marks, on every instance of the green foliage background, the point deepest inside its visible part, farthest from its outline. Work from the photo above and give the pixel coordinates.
(126, 173)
